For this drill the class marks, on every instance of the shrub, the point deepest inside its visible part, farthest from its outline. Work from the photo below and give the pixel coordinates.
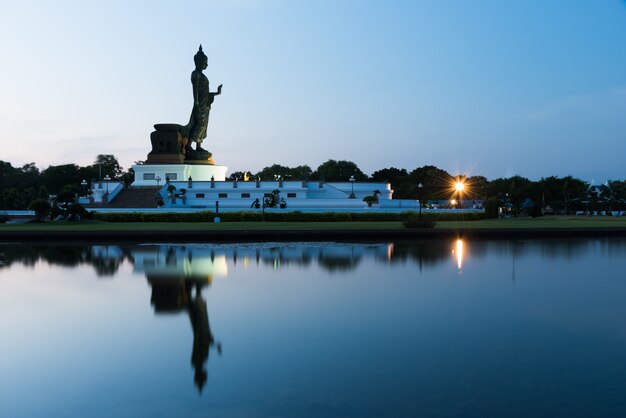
(370, 200)
(41, 208)
(296, 216)
(534, 211)
(78, 209)
(414, 222)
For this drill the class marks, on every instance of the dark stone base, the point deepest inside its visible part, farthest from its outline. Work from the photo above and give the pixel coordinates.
(167, 145)
(200, 156)
(170, 147)
(165, 158)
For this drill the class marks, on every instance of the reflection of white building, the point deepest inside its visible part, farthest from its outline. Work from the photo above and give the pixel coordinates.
(107, 252)
(208, 261)
(165, 261)
(203, 262)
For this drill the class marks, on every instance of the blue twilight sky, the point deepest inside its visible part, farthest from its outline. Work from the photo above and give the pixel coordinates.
(529, 87)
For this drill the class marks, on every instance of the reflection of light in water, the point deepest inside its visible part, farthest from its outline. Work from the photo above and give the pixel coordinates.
(458, 251)
(201, 266)
(389, 251)
(188, 264)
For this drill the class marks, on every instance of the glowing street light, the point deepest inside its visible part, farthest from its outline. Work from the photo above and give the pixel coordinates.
(420, 187)
(352, 180)
(459, 187)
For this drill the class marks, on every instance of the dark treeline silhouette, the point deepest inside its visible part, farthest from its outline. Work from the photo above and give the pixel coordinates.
(19, 186)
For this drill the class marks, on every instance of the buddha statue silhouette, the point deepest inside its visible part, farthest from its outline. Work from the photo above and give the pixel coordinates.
(196, 129)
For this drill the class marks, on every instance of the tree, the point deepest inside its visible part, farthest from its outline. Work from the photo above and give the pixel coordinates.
(392, 175)
(514, 189)
(301, 172)
(11, 199)
(43, 193)
(55, 178)
(476, 187)
(436, 184)
(9, 175)
(29, 194)
(271, 173)
(128, 177)
(342, 170)
(618, 189)
(110, 166)
(236, 175)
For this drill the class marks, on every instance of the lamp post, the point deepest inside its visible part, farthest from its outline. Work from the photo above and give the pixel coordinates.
(107, 178)
(419, 188)
(352, 180)
(84, 184)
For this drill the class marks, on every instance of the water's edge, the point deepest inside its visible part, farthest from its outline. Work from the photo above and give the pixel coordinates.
(305, 235)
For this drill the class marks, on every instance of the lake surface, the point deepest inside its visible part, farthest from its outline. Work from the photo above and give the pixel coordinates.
(430, 328)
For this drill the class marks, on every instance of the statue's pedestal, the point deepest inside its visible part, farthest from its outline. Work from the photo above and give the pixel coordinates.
(146, 174)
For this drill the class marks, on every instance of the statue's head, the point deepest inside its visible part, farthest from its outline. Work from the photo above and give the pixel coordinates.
(200, 59)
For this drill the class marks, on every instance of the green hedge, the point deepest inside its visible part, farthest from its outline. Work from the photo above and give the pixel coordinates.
(249, 216)
(413, 221)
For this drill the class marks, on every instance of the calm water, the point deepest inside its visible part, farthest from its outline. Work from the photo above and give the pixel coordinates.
(438, 328)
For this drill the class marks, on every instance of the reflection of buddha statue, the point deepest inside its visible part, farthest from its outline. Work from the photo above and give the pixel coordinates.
(196, 129)
(202, 337)
(175, 295)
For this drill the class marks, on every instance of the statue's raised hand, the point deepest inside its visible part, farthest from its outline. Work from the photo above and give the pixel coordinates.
(219, 89)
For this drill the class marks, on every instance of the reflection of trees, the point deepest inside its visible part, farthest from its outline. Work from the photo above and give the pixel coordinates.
(105, 266)
(24, 254)
(171, 295)
(336, 263)
(556, 248)
(333, 257)
(423, 252)
(63, 255)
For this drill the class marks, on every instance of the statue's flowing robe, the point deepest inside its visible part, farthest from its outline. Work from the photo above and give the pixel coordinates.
(196, 129)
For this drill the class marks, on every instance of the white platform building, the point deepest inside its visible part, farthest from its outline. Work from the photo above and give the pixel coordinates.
(208, 187)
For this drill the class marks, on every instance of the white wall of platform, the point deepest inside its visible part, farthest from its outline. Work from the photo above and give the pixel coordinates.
(298, 195)
(147, 174)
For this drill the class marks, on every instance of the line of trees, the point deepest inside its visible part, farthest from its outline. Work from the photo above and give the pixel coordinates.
(21, 185)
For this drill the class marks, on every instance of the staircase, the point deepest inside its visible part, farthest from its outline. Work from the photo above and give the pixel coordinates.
(135, 197)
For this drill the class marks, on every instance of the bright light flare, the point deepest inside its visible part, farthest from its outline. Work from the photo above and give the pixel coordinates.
(459, 186)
